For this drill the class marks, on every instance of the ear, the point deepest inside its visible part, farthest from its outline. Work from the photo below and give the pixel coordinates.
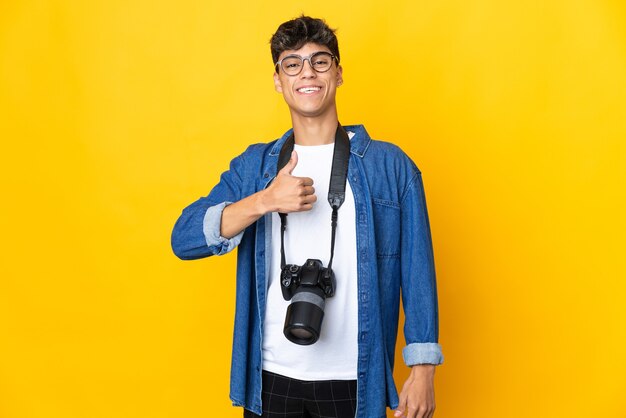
(339, 75)
(277, 83)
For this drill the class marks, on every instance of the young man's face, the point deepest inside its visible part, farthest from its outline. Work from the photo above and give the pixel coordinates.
(309, 93)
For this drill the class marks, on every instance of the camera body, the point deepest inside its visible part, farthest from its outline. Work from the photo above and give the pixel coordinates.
(307, 287)
(312, 273)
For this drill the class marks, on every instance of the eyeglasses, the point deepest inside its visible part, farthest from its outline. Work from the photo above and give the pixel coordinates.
(320, 61)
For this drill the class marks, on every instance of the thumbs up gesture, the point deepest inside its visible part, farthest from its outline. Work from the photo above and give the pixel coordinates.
(289, 193)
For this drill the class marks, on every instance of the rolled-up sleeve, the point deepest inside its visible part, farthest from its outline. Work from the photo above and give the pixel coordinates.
(422, 353)
(211, 227)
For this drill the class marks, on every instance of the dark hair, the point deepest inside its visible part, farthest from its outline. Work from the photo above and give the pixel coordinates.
(294, 34)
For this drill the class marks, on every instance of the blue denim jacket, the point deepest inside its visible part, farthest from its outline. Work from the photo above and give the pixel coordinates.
(394, 252)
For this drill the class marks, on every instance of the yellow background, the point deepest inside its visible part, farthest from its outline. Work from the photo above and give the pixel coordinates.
(114, 115)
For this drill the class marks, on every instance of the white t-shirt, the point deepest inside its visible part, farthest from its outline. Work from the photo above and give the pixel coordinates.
(308, 235)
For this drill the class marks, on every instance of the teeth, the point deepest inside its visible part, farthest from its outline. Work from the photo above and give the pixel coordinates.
(308, 89)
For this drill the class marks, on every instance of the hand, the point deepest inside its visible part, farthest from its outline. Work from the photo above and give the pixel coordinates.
(417, 399)
(288, 193)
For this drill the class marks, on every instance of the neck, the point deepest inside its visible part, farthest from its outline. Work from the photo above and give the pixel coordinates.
(319, 130)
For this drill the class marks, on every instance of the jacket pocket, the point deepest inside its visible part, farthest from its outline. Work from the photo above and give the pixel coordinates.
(387, 223)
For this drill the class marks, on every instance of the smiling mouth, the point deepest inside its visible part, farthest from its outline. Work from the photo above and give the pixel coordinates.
(308, 90)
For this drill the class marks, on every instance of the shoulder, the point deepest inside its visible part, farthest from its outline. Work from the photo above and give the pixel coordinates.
(253, 151)
(391, 157)
(380, 153)
(255, 154)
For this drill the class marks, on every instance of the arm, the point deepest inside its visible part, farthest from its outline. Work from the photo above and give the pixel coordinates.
(214, 225)
(419, 299)
(286, 194)
(196, 233)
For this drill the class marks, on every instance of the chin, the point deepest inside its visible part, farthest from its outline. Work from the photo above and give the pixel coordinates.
(308, 112)
(311, 114)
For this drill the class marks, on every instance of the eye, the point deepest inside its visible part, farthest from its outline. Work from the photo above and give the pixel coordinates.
(292, 63)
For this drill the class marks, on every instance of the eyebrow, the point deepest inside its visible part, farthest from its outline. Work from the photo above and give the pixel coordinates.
(311, 54)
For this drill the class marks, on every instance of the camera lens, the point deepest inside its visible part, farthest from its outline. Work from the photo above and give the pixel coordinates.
(301, 333)
(304, 315)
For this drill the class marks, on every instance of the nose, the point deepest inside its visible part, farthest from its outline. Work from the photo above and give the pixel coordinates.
(307, 70)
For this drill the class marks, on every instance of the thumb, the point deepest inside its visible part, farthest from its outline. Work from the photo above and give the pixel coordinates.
(401, 405)
(293, 161)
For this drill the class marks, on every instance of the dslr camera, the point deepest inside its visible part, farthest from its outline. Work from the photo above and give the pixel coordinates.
(307, 287)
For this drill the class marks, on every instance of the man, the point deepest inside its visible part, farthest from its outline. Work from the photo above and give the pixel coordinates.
(381, 245)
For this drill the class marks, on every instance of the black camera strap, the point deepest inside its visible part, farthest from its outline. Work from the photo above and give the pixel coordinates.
(336, 190)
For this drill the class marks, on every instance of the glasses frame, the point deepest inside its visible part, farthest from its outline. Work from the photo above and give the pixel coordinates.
(279, 63)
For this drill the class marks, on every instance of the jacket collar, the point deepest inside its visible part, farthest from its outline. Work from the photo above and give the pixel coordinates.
(358, 143)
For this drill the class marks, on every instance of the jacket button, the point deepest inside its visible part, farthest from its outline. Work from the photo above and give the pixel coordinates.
(266, 175)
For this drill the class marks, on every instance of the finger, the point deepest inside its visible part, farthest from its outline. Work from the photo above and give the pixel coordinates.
(414, 413)
(307, 181)
(430, 413)
(401, 406)
(291, 164)
(305, 207)
(307, 190)
(310, 199)
(426, 411)
(423, 412)
(419, 412)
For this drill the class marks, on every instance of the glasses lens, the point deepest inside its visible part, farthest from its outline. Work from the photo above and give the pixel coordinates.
(292, 65)
(321, 61)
